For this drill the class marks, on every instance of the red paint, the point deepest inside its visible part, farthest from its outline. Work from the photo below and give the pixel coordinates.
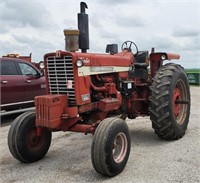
(98, 96)
(177, 107)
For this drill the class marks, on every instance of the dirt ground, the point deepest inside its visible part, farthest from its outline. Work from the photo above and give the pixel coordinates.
(151, 159)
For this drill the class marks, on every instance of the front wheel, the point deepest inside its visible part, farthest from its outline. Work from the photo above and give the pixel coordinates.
(26, 142)
(110, 147)
(170, 102)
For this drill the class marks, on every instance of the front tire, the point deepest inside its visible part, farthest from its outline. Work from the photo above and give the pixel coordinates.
(170, 102)
(110, 147)
(24, 142)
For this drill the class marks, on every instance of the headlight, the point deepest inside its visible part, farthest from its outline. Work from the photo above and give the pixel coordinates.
(41, 65)
(163, 57)
(79, 63)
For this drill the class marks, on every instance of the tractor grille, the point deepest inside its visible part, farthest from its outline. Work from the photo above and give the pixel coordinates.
(61, 77)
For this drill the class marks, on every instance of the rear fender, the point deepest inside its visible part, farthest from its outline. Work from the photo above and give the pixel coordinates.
(156, 60)
(161, 56)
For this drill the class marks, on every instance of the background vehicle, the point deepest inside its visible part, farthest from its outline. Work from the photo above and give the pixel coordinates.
(20, 81)
(94, 93)
(27, 58)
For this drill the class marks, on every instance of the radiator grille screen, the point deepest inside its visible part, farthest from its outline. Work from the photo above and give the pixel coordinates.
(61, 77)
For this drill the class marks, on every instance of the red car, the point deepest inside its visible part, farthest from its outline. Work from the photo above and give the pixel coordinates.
(21, 81)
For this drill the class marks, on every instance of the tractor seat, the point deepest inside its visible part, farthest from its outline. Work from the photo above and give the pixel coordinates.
(142, 57)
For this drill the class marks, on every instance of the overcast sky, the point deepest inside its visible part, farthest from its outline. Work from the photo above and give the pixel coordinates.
(36, 26)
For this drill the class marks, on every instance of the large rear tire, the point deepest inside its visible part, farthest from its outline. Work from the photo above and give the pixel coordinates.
(170, 102)
(110, 147)
(24, 142)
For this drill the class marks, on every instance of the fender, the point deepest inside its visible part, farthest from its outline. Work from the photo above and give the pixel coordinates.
(171, 56)
(161, 56)
(156, 60)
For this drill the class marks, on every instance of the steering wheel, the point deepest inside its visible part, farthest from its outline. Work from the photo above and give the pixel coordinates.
(127, 45)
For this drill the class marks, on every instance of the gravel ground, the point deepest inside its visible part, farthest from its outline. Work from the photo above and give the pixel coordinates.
(151, 159)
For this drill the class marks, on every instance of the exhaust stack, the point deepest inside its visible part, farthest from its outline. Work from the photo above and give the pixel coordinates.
(83, 27)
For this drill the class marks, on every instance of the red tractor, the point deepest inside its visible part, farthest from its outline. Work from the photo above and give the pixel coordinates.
(95, 93)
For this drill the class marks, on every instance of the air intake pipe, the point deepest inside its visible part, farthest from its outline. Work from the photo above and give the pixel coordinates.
(71, 40)
(83, 27)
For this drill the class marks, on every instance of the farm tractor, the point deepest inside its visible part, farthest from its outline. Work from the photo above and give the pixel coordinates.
(96, 93)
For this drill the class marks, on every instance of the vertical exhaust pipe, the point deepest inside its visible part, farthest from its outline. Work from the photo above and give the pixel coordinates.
(83, 27)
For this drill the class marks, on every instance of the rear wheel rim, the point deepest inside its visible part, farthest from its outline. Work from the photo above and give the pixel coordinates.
(120, 146)
(180, 109)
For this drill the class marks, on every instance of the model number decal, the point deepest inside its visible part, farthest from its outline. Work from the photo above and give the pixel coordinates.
(85, 97)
